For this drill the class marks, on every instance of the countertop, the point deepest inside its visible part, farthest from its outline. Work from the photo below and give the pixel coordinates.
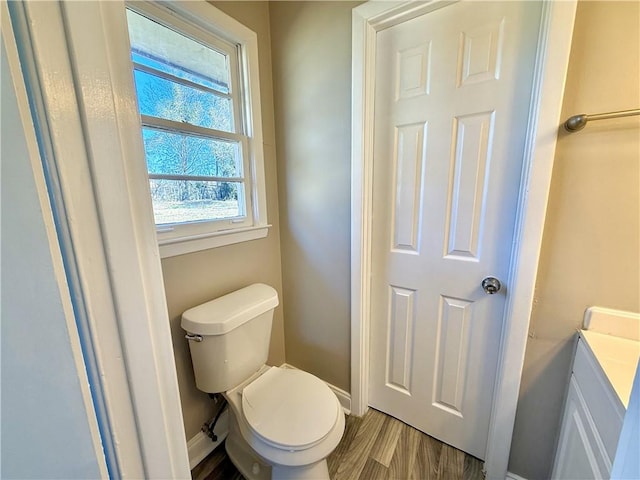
(618, 358)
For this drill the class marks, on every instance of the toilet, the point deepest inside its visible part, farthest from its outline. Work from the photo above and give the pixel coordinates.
(283, 422)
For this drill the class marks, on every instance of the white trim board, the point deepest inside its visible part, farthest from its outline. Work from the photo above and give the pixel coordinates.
(77, 69)
(201, 445)
(343, 397)
(554, 44)
(23, 117)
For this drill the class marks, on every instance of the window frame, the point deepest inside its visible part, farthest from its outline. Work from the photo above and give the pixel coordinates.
(210, 26)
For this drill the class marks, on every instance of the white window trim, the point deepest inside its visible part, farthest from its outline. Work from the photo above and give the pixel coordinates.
(206, 17)
(170, 247)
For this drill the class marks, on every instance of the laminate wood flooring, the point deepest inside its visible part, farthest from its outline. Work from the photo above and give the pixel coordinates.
(374, 447)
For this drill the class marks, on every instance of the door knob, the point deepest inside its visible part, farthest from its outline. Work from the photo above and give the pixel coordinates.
(491, 285)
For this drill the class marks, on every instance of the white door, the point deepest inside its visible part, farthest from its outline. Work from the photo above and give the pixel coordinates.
(453, 88)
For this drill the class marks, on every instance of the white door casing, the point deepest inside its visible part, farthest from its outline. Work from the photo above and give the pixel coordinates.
(554, 42)
(451, 108)
(75, 58)
(51, 299)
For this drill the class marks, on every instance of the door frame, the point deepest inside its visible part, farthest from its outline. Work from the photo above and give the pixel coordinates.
(551, 64)
(79, 94)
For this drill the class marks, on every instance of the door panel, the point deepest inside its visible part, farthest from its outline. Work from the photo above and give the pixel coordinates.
(407, 208)
(451, 109)
(400, 339)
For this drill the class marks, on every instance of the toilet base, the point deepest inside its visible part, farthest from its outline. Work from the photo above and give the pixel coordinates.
(317, 471)
(254, 467)
(246, 460)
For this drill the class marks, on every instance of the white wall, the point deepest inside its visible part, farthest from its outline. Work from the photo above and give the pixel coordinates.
(48, 429)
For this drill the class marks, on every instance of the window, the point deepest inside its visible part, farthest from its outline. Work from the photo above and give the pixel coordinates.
(195, 72)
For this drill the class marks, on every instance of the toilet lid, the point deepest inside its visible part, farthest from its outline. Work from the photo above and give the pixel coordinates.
(290, 409)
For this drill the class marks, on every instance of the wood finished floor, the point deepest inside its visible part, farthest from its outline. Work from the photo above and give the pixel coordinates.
(375, 446)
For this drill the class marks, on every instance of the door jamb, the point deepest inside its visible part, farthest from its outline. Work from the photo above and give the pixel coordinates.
(84, 119)
(551, 64)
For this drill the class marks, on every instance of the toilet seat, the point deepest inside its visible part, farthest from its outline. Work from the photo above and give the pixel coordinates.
(290, 409)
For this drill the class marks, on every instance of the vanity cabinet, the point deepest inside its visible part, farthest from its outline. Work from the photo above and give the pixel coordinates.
(591, 423)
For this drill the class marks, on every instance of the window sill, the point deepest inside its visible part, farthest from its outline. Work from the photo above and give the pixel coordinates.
(180, 246)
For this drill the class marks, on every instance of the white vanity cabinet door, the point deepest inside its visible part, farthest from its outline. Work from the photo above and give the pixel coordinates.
(580, 454)
(591, 423)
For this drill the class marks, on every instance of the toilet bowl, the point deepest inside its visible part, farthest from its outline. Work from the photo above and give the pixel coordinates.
(289, 419)
(284, 422)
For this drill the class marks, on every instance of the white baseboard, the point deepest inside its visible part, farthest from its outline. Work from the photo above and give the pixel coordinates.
(201, 445)
(513, 476)
(344, 397)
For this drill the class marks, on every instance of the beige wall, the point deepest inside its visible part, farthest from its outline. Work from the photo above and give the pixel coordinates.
(195, 278)
(311, 45)
(591, 246)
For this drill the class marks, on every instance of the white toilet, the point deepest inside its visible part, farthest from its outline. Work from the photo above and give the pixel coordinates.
(284, 422)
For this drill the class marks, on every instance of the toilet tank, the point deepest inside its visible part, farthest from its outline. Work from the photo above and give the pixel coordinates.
(229, 336)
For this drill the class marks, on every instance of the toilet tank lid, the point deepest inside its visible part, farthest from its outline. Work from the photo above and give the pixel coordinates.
(223, 314)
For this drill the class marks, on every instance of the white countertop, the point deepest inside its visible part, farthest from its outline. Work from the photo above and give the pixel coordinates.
(618, 358)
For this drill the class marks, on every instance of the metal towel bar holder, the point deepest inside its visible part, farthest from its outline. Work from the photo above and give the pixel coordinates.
(578, 122)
